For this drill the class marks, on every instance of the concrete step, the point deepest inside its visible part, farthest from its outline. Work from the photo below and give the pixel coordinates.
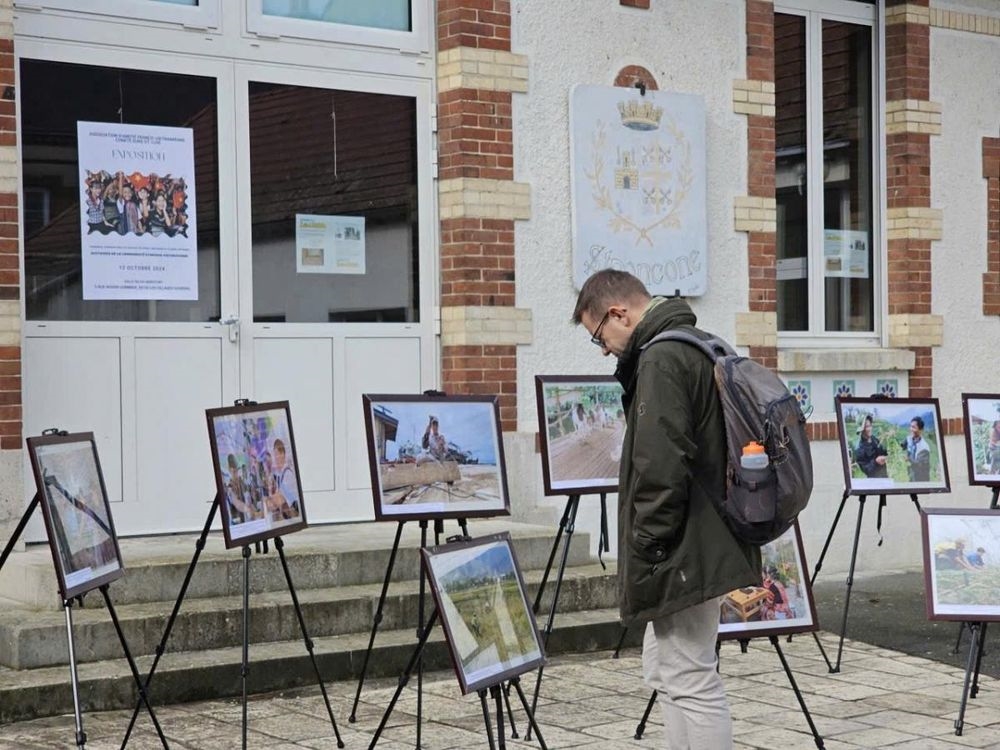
(31, 640)
(215, 673)
(318, 557)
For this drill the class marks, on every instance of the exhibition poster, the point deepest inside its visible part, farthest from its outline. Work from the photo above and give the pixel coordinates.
(137, 212)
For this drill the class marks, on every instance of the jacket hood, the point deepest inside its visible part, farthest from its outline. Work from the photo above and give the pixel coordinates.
(664, 313)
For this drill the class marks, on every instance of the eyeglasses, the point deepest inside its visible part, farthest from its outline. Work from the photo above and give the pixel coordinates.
(597, 339)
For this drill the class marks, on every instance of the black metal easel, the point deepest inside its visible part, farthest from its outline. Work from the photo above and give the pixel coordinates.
(970, 687)
(744, 642)
(567, 524)
(81, 735)
(495, 691)
(854, 556)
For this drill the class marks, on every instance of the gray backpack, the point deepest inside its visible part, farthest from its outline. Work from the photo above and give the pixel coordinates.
(760, 504)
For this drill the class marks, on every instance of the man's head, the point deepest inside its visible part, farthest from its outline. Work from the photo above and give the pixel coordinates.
(916, 426)
(866, 426)
(433, 425)
(609, 306)
(279, 453)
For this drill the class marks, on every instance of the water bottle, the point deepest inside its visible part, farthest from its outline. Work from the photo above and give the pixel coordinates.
(754, 456)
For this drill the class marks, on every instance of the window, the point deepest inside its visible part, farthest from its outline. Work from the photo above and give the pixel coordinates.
(828, 269)
(198, 13)
(395, 24)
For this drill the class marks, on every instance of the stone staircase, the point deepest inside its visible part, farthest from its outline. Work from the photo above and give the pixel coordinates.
(337, 572)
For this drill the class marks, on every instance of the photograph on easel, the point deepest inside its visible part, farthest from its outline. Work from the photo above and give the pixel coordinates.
(77, 513)
(961, 563)
(783, 602)
(435, 456)
(892, 446)
(488, 622)
(581, 423)
(982, 437)
(256, 471)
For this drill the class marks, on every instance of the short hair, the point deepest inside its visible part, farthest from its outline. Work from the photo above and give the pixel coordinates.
(606, 288)
(279, 447)
(919, 421)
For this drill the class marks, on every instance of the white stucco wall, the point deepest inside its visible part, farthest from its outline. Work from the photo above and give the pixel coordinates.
(700, 48)
(692, 48)
(965, 81)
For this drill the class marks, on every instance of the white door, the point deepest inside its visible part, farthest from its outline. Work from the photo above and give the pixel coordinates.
(276, 318)
(335, 272)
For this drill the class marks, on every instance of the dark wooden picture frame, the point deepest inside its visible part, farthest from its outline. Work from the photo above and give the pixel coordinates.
(480, 595)
(77, 512)
(256, 471)
(981, 412)
(435, 456)
(879, 462)
(961, 563)
(581, 426)
(783, 604)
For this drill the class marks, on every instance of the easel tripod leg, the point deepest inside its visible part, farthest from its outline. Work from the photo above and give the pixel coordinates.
(572, 505)
(497, 694)
(974, 628)
(245, 664)
(979, 661)
(486, 718)
(81, 736)
(405, 678)
(641, 727)
(532, 724)
(280, 545)
(377, 620)
(131, 663)
(850, 582)
(18, 530)
(621, 642)
(162, 645)
(798, 693)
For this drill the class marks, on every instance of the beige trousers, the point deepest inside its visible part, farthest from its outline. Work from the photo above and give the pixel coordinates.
(679, 662)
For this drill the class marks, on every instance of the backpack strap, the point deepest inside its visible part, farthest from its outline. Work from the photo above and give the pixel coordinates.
(713, 347)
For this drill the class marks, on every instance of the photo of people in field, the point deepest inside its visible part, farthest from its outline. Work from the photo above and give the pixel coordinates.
(962, 561)
(982, 437)
(438, 457)
(892, 446)
(582, 425)
(491, 631)
(782, 603)
(77, 512)
(257, 471)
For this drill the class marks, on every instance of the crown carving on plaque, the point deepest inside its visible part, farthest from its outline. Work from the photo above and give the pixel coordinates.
(640, 115)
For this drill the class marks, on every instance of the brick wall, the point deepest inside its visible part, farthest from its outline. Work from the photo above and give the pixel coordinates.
(991, 279)
(10, 278)
(477, 76)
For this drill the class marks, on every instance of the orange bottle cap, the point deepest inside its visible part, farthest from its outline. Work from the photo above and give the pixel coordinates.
(752, 447)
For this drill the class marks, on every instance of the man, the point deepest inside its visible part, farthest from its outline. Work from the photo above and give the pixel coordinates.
(918, 453)
(870, 454)
(676, 557)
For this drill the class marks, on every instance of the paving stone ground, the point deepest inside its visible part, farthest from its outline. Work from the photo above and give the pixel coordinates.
(880, 699)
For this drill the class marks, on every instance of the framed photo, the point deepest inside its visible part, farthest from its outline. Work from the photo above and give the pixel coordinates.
(892, 446)
(961, 563)
(783, 602)
(435, 456)
(982, 437)
(582, 426)
(256, 472)
(77, 514)
(487, 619)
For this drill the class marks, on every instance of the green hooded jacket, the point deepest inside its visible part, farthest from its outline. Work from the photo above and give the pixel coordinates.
(674, 550)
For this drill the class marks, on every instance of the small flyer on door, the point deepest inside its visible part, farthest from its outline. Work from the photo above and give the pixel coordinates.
(137, 212)
(329, 244)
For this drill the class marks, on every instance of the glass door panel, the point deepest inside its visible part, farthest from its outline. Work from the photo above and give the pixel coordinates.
(333, 202)
(54, 96)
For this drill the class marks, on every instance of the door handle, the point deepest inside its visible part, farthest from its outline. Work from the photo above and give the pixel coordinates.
(233, 324)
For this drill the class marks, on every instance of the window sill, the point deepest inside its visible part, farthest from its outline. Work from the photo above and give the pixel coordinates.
(845, 360)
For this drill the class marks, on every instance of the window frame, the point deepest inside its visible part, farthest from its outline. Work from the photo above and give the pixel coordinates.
(871, 14)
(416, 41)
(204, 15)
